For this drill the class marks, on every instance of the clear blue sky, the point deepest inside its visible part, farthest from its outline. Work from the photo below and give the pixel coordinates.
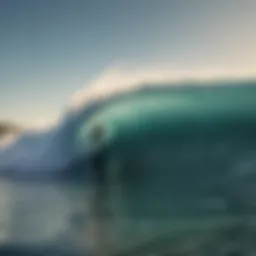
(49, 48)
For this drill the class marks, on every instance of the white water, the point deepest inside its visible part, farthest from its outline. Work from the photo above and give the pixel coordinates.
(42, 214)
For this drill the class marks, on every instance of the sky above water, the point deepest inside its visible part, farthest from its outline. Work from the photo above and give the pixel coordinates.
(50, 48)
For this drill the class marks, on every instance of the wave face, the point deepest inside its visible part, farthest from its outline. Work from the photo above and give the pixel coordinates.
(51, 153)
